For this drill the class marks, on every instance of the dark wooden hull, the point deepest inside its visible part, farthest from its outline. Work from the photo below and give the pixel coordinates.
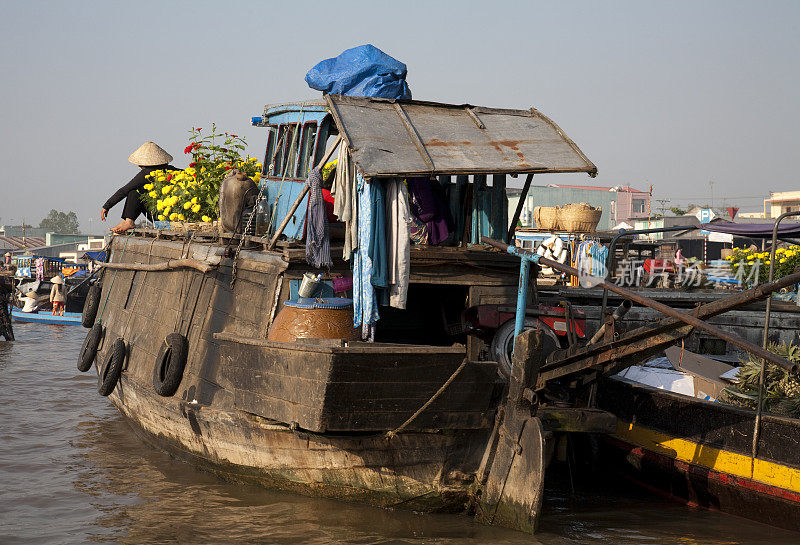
(699, 452)
(419, 471)
(310, 417)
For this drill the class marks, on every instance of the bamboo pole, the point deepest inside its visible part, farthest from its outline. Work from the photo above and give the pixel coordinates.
(300, 197)
(168, 265)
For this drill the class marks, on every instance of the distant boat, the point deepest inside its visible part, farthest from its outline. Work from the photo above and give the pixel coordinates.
(45, 317)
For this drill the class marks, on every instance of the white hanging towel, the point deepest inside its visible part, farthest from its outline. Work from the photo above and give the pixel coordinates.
(345, 205)
(398, 215)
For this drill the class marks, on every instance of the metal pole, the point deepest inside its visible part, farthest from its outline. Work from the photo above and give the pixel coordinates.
(646, 301)
(765, 338)
(522, 300)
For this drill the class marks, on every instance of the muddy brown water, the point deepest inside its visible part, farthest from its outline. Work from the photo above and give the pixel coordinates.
(73, 471)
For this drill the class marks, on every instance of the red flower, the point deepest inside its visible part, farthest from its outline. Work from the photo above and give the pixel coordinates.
(234, 136)
(169, 177)
(199, 129)
(188, 149)
(192, 165)
(227, 168)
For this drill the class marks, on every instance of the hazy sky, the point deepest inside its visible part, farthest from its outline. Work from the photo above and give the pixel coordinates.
(675, 94)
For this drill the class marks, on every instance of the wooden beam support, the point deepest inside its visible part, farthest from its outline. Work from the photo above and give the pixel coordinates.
(520, 204)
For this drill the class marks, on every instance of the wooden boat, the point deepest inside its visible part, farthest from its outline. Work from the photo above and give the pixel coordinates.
(701, 452)
(417, 419)
(46, 317)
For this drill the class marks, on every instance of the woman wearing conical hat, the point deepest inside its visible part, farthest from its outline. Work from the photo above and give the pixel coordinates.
(148, 157)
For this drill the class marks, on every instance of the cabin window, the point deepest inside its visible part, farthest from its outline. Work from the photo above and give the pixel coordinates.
(306, 147)
(639, 206)
(271, 139)
(286, 158)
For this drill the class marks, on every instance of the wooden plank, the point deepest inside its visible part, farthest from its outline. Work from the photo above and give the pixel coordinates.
(414, 135)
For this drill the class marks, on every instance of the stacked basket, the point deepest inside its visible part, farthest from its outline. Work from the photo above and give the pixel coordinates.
(573, 218)
(579, 218)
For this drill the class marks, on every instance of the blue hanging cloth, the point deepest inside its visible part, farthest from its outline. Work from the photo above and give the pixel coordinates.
(363, 71)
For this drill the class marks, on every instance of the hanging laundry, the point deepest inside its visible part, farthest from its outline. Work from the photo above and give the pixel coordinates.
(398, 217)
(318, 242)
(377, 241)
(345, 205)
(365, 305)
(430, 208)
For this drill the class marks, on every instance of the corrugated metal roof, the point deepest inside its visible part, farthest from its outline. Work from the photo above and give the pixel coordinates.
(18, 243)
(409, 137)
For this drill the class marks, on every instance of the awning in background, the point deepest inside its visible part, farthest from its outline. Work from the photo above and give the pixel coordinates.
(96, 256)
(754, 230)
(414, 138)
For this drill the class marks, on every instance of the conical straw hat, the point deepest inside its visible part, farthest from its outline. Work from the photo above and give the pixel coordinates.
(150, 154)
(57, 280)
(31, 294)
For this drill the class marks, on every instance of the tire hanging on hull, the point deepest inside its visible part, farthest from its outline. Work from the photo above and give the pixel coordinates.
(170, 363)
(89, 348)
(111, 369)
(91, 305)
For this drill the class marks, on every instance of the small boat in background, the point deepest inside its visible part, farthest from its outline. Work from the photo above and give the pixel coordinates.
(45, 317)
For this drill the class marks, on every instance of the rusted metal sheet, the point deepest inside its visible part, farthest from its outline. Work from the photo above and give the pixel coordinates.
(408, 137)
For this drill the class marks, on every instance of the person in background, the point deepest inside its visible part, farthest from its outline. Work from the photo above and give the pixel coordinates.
(7, 261)
(148, 157)
(30, 303)
(57, 296)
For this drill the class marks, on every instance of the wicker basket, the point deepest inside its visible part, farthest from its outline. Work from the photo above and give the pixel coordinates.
(547, 217)
(579, 218)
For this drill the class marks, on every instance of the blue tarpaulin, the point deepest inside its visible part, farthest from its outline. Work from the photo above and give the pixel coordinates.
(363, 71)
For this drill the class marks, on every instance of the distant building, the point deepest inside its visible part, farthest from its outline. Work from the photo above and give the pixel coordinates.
(22, 231)
(781, 202)
(751, 215)
(619, 204)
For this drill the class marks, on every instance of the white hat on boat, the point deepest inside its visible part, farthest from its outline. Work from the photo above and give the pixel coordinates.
(57, 280)
(31, 294)
(150, 154)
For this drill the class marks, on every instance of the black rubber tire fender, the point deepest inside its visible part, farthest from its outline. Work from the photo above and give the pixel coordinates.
(91, 305)
(89, 348)
(503, 343)
(170, 362)
(112, 368)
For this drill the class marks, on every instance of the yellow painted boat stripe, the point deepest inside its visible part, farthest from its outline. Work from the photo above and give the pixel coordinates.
(722, 461)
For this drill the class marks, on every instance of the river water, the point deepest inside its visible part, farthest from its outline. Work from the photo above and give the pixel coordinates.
(73, 471)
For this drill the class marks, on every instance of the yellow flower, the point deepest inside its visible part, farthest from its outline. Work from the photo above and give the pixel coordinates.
(196, 208)
(181, 217)
(253, 159)
(194, 200)
(159, 205)
(148, 187)
(202, 169)
(166, 210)
(173, 216)
(783, 260)
(259, 165)
(206, 219)
(166, 189)
(256, 176)
(161, 179)
(162, 217)
(187, 204)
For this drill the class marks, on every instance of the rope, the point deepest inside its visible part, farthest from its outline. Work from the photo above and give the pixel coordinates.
(447, 383)
(121, 255)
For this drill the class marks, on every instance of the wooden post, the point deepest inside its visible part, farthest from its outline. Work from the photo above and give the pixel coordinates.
(520, 204)
(300, 197)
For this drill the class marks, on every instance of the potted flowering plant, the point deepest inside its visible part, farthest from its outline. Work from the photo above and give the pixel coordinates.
(192, 194)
